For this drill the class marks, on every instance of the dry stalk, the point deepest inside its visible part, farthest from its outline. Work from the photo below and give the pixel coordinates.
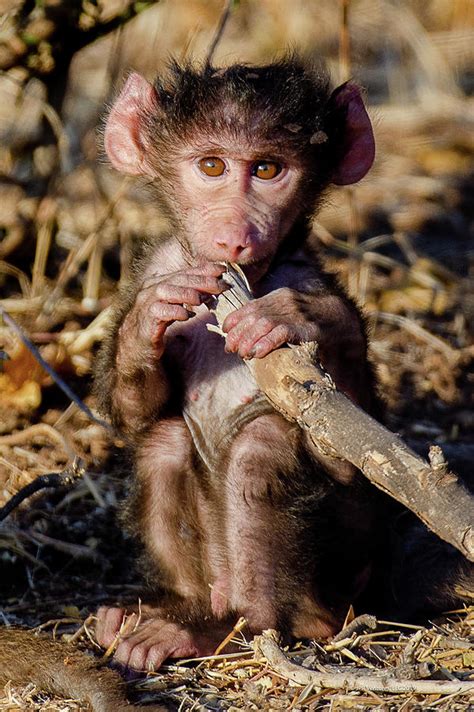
(42, 430)
(75, 550)
(344, 42)
(77, 257)
(238, 627)
(224, 18)
(416, 330)
(46, 217)
(93, 277)
(23, 281)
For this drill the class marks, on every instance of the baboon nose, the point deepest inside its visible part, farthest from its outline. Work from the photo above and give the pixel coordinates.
(232, 242)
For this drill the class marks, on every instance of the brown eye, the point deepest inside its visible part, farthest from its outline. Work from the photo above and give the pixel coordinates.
(212, 166)
(266, 170)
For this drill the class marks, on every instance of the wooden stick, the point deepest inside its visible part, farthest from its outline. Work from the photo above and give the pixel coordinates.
(350, 679)
(359, 624)
(299, 388)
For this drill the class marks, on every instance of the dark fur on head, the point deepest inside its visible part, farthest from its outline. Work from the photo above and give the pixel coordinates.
(283, 107)
(282, 100)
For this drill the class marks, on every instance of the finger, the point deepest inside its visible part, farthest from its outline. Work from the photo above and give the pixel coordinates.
(207, 280)
(169, 312)
(124, 651)
(268, 343)
(247, 332)
(210, 269)
(155, 657)
(215, 269)
(173, 294)
(109, 621)
(235, 317)
(204, 283)
(138, 656)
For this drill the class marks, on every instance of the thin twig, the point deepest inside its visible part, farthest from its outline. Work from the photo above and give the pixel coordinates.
(267, 646)
(359, 624)
(344, 43)
(20, 437)
(219, 32)
(241, 623)
(55, 479)
(23, 281)
(46, 217)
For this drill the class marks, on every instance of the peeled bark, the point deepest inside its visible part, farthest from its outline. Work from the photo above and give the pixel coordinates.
(299, 388)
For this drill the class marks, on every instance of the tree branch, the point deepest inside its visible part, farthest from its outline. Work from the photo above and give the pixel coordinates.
(299, 388)
(352, 679)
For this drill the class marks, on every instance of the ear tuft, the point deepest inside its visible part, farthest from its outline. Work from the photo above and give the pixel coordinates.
(358, 150)
(124, 139)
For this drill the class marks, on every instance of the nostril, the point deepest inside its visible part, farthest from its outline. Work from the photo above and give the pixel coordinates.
(221, 241)
(237, 240)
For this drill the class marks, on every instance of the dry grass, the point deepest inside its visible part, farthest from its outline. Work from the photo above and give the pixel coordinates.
(443, 651)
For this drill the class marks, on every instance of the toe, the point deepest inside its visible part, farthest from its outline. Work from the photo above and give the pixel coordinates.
(124, 650)
(108, 624)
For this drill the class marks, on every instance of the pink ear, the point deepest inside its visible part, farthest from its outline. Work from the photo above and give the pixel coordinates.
(358, 150)
(123, 138)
